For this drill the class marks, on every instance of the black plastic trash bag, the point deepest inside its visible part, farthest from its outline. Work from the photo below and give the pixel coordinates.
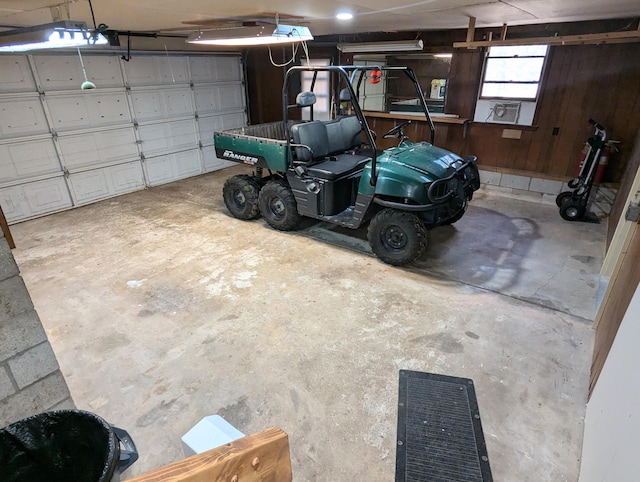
(64, 445)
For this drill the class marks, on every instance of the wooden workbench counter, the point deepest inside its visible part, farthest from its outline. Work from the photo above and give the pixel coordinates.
(448, 129)
(415, 117)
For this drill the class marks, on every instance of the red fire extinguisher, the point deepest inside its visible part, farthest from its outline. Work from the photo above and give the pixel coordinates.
(583, 156)
(607, 150)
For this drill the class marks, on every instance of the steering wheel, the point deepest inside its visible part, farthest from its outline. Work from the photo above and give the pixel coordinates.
(397, 131)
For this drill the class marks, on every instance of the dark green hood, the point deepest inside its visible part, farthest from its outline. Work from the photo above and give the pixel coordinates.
(405, 171)
(432, 162)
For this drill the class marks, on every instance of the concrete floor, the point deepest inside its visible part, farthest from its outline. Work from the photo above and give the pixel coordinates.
(162, 309)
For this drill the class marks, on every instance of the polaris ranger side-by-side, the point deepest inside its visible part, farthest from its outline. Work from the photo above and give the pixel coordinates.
(331, 170)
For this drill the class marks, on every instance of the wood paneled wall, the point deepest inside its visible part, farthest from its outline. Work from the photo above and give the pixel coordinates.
(620, 203)
(581, 82)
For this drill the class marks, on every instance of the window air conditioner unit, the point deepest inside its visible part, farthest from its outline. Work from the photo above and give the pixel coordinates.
(505, 112)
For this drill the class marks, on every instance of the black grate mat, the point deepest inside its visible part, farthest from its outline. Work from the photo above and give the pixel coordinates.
(440, 435)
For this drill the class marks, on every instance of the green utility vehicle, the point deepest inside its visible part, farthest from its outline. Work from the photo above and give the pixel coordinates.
(332, 171)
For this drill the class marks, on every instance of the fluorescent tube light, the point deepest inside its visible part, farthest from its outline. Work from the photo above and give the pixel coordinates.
(247, 36)
(394, 46)
(55, 35)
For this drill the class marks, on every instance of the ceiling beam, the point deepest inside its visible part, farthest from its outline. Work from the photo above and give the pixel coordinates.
(592, 38)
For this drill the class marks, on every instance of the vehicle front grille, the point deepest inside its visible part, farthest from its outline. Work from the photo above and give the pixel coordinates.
(443, 189)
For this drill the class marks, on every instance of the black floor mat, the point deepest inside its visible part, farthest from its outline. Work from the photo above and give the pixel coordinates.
(439, 430)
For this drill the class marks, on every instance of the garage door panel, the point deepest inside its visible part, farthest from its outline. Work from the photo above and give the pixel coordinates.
(213, 163)
(231, 97)
(215, 69)
(178, 102)
(15, 75)
(168, 137)
(218, 98)
(22, 160)
(155, 70)
(21, 117)
(210, 124)
(35, 198)
(159, 104)
(207, 99)
(109, 181)
(170, 167)
(88, 110)
(96, 148)
(65, 72)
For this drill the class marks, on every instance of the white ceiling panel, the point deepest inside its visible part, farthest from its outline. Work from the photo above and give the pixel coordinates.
(370, 15)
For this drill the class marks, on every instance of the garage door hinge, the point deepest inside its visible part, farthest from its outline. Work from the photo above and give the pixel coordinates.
(633, 212)
(65, 171)
(54, 134)
(142, 158)
(200, 144)
(196, 116)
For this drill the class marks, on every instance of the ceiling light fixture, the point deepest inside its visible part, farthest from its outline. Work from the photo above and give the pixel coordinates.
(66, 33)
(344, 16)
(248, 36)
(393, 46)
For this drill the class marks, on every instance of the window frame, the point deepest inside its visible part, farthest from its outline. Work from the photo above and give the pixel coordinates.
(539, 82)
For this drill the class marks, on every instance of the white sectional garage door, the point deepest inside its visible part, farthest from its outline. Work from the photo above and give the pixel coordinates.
(150, 121)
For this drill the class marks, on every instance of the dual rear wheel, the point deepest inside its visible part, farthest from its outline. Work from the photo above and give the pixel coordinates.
(246, 199)
(396, 237)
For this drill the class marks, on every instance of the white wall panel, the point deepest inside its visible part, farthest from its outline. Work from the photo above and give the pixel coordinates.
(22, 160)
(34, 198)
(215, 69)
(105, 182)
(157, 70)
(163, 169)
(64, 72)
(159, 104)
(21, 117)
(209, 124)
(98, 148)
(88, 109)
(168, 137)
(15, 74)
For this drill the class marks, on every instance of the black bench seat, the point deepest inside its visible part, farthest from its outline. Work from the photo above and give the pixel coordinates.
(338, 167)
(328, 149)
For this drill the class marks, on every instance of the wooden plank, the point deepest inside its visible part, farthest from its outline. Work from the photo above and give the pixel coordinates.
(471, 30)
(592, 38)
(623, 285)
(258, 457)
(503, 32)
(621, 200)
(463, 83)
(417, 118)
(573, 107)
(6, 231)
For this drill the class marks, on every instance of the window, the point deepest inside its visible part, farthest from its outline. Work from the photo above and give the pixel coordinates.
(321, 89)
(513, 72)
